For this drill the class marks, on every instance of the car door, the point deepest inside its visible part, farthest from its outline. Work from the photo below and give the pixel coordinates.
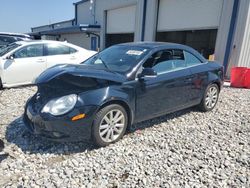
(25, 65)
(199, 72)
(60, 54)
(166, 92)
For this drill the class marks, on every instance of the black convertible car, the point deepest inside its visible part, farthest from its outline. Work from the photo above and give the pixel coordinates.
(124, 84)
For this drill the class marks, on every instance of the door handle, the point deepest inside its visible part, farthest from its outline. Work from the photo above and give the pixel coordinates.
(72, 57)
(40, 60)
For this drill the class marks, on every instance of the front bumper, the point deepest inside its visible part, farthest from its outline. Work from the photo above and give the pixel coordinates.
(60, 128)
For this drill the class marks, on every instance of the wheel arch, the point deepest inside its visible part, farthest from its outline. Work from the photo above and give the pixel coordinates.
(122, 103)
(217, 83)
(215, 79)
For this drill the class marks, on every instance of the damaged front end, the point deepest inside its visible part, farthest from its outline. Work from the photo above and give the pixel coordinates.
(71, 79)
(60, 82)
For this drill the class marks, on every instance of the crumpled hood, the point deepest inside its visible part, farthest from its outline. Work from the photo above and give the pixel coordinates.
(78, 71)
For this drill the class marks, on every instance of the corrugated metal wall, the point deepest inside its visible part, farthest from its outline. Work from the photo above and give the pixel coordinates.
(244, 59)
(222, 35)
(240, 53)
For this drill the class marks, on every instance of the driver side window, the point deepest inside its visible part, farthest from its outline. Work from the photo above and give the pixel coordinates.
(30, 51)
(165, 61)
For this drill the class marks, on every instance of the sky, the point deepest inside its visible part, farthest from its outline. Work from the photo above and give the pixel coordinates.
(20, 15)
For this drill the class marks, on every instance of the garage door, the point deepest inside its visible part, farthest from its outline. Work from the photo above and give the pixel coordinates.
(189, 14)
(120, 25)
(191, 22)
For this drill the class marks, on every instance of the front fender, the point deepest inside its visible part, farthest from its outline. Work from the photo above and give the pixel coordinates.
(115, 93)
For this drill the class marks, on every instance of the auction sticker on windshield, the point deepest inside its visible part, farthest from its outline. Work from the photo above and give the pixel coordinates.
(135, 52)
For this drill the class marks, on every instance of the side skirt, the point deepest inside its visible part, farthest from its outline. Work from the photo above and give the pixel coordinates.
(191, 104)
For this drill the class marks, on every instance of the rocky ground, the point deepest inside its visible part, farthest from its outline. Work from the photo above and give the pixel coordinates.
(184, 149)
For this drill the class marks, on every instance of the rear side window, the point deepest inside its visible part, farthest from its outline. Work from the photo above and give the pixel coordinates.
(35, 50)
(58, 49)
(191, 59)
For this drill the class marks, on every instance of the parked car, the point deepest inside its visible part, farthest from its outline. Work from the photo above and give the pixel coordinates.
(8, 38)
(22, 62)
(120, 86)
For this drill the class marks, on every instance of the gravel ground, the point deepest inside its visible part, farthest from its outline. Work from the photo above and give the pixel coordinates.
(184, 149)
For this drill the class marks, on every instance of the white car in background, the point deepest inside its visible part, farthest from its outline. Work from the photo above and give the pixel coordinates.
(7, 38)
(22, 62)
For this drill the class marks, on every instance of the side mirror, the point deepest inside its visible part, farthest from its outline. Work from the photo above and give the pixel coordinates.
(147, 73)
(11, 57)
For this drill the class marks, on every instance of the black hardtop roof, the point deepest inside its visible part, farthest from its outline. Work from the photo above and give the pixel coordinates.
(164, 45)
(154, 44)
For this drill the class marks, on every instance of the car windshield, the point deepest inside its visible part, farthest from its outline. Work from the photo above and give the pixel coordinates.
(118, 58)
(4, 50)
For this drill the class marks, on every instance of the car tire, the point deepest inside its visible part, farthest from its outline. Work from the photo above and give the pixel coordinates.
(109, 125)
(210, 98)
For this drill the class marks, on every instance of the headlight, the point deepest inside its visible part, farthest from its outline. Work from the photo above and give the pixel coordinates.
(60, 105)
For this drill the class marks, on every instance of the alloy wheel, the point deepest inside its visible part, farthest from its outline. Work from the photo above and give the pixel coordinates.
(112, 125)
(211, 97)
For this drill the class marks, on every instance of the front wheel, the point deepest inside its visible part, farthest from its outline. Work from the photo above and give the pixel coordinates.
(210, 98)
(109, 125)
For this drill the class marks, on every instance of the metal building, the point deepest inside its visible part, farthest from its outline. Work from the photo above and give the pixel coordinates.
(219, 27)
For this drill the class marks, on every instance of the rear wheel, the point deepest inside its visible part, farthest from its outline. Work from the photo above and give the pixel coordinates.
(109, 125)
(210, 98)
